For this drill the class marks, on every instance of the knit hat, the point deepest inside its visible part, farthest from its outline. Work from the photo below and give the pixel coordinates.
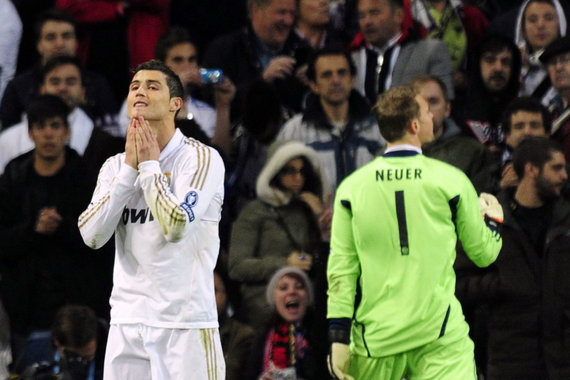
(288, 271)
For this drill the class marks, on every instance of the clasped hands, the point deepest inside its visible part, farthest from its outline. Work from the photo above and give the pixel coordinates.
(141, 143)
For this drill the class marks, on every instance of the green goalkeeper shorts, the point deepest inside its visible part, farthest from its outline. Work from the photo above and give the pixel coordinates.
(450, 357)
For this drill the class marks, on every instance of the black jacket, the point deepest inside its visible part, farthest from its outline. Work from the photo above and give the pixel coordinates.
(236, 54)
(480, 110)
(528, 293)
(41, 273)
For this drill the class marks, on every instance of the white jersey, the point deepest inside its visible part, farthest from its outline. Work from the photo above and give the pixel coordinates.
(165, 218)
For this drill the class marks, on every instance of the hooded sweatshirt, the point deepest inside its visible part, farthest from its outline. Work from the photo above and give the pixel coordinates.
(535, 79)
(271, 227)
(481, 110)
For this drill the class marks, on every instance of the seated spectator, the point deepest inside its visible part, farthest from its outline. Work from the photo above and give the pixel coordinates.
(539, 23)
(526, 288)
(450, 143)
(265, 49)
(56, 36)
(523, 117)
(279, 227)
(236, 337)
(287, 348)
(556, 57)
(456, 23)
(390, 50)
(78, 345)
(337, 121)
(494, 83)
(43, 262)
(62, 76)
(313, 25)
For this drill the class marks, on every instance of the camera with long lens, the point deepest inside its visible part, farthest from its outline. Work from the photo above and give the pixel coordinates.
(69, 367)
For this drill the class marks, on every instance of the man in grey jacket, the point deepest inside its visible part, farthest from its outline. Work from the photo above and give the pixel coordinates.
(337, 121)
(390, 49)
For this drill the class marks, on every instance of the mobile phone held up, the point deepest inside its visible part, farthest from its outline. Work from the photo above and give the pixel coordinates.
(211, 76)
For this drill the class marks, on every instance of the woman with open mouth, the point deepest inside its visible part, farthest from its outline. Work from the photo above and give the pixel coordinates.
(288, 348)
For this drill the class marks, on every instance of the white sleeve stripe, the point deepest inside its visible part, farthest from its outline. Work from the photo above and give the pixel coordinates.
(92, 210)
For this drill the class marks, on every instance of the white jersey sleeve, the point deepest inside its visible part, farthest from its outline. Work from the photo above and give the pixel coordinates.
(115, 185)
(197, 183)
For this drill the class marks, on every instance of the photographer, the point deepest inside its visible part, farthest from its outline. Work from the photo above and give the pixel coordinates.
(267, 48)
(79, 346)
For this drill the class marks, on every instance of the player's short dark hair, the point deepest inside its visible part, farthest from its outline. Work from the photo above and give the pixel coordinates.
(61, 60)
(534, 149)
(421, 80)
(328, 51)
(46, 107)
(395, 110)
(53, 14)
(174, 36)
(74, 326)
(172, 81)
(528, 104)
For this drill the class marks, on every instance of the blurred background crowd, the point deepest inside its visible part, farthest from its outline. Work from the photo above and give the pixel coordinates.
(292, 116)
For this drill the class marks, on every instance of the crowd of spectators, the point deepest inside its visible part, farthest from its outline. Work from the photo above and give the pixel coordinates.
(292, 116)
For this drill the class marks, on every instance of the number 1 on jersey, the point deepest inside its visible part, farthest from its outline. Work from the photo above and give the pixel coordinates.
(402, 224)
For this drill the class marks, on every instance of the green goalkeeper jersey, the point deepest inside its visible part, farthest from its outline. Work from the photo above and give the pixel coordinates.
(394, 232)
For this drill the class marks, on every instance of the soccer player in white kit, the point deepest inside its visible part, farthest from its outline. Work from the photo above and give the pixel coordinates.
(162, 198)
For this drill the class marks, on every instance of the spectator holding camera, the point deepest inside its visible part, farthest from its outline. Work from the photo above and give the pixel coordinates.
(78, 340)
(267, 48)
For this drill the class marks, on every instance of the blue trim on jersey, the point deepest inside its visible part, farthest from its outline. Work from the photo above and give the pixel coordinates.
(190, 201)
(400, 153)
(346, 204)
(364, 340)
(339, 323)
(444, 325)
(453, 207)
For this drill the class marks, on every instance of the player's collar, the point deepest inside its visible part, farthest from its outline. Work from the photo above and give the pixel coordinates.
(402, 150)
(175, 140)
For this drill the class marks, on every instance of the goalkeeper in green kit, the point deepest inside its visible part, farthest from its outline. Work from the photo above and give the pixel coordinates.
(395, 226)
